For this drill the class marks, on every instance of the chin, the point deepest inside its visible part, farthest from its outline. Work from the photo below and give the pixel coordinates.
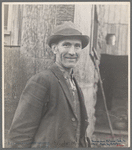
(69, 66)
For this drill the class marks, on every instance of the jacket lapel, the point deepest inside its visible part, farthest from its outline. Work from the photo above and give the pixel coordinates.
(84, 117)
(58, 74)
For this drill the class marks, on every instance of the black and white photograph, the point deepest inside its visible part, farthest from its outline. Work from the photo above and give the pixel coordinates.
(65, 74)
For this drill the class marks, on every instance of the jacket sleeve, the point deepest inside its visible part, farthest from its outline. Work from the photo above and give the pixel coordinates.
(28, 113)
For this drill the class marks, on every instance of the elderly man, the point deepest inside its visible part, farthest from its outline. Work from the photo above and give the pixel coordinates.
(51, 111)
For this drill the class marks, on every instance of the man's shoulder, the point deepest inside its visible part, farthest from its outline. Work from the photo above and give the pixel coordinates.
(42, 77)
(43, 74)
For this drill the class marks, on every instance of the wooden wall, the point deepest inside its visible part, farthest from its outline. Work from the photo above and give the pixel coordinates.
(14, 24)
(113, 19)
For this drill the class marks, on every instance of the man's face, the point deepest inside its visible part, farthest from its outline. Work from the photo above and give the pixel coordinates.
(68, 52)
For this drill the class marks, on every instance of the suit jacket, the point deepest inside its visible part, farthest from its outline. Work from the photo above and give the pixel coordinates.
(45, 116)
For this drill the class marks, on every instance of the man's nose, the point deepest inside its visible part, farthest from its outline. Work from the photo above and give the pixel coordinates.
(72, 50)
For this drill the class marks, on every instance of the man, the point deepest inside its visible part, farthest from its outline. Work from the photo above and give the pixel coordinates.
(51, 111)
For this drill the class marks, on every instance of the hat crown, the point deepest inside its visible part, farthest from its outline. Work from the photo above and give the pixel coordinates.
(67, 28)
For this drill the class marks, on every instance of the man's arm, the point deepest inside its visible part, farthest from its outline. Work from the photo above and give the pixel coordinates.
(28, 113)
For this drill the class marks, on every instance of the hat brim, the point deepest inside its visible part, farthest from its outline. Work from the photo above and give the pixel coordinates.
(56, 38)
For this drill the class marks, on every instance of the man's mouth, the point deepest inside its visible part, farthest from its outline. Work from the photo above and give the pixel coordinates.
(70, 57)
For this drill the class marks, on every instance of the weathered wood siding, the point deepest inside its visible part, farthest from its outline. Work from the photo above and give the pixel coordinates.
(113, 19)
(12, 80)
(14, 24)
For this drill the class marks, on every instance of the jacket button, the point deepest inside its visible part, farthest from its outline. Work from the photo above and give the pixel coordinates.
(73, 119)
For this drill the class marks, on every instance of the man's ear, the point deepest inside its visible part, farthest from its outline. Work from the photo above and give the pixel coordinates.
(54, 48)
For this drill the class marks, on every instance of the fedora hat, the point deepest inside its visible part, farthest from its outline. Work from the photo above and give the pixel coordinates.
(65, 30)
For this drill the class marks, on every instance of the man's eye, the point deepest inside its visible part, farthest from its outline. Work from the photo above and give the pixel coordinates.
(77, 45)
(67, 44)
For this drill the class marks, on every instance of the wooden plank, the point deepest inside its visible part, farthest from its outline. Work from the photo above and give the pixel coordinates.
(109, 28)
(20, 11)
(14, 27)
(113, 28)
(111, 18)
(106, 15)
(11, 82)
(124, 14)
(120, 41)
(104, 30)
(117, 14)
(117, 37)
(10, 18)
(114, 48)
(124, 39)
